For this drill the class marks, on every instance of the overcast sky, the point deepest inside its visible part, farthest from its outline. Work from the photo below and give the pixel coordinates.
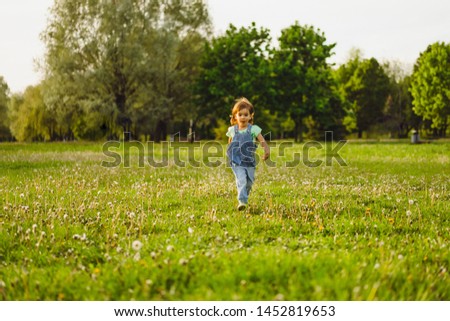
(384, 29)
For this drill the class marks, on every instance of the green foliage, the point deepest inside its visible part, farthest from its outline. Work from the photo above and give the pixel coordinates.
(303, 77)
(234, 65)
(430, 86)
(366, 88)
(129, 63)
(5, 133)
(30, 120)
(374, 230)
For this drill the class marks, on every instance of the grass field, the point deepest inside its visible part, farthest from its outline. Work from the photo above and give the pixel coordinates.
(377, 229)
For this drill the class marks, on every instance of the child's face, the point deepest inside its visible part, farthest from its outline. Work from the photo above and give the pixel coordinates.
(243, 117)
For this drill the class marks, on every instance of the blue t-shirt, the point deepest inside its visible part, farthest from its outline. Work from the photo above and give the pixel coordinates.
(256, 130)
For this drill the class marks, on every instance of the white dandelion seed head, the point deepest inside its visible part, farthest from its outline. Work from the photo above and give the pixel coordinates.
(137, 256)
(169, 248)
(411, 202)
(376, 266)
(136, 245)
(408, 213)
(190, 230)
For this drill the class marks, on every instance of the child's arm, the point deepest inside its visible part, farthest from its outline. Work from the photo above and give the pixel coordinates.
(265, 146)
(229, 140)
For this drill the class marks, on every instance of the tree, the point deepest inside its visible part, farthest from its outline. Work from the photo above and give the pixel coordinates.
(399, 117)
(5, 133)
(234, 65)
(111, 63)
(303, 76)
(430, 86)
(366, 88)
(30, 119)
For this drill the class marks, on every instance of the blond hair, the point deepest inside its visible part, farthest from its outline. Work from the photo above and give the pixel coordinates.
(240, 104)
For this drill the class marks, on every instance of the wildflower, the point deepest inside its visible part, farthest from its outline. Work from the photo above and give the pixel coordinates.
(190, 230)
(411, 202)
(169, 248)
(391, 220)
(368, 211)
(137, 256)
(376, 266)
(408, 213)
(136, 245)
(183, 262)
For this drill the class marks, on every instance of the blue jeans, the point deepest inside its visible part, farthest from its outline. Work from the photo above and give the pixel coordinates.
(245, 176)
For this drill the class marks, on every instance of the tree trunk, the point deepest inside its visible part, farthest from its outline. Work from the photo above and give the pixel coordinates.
(298, 130)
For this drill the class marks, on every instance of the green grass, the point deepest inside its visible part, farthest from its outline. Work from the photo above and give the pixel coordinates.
(377, 229)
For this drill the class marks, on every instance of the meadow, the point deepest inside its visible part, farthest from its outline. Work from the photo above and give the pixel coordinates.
(376, 229)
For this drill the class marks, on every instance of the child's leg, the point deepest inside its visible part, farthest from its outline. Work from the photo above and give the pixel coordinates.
(250, 171)
(241, 183)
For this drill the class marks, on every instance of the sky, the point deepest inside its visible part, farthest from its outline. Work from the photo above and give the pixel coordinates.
(394, 30)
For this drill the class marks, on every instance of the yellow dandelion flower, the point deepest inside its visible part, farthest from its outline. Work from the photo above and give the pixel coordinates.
(391, 220)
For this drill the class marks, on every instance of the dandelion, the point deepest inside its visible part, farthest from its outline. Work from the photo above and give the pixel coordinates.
(190, 230)
(137, 256)
(279, 297)
(408, 213)
(183, 262)
(136, 245)
(376, 266)
(400, 257)
(411, 202)
(391, 220)
(169, 248)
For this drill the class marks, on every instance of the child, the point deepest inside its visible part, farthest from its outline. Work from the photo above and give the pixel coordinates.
(241, 148)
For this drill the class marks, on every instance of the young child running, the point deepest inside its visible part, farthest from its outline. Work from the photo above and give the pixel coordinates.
(241, 148)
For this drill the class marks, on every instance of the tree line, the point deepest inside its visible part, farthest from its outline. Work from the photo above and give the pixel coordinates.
(152, 68)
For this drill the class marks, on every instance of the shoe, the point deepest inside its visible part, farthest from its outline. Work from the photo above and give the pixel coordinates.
(242, 206)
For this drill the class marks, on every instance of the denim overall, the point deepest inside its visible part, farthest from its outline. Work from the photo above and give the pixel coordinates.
(241, 154)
